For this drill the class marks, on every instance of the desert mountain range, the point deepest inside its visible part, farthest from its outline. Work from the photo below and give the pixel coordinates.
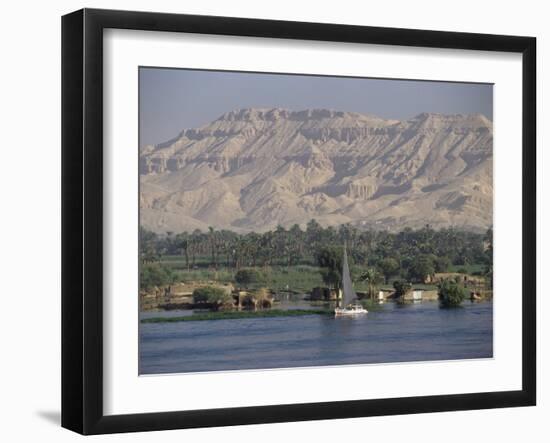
(253, 169)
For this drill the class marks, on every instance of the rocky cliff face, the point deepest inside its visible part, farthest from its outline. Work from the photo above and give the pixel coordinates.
(253, 169)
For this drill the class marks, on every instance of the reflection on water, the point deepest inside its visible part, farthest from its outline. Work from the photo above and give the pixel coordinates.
(392, 333)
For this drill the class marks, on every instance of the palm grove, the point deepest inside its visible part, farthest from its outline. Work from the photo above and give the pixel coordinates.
(376, 257)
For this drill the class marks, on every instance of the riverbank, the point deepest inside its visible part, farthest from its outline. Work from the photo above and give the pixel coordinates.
(226, 315)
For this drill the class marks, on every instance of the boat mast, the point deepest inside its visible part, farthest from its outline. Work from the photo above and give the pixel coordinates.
(345, 273)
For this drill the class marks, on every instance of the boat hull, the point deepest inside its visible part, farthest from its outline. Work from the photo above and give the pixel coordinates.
(341, 312)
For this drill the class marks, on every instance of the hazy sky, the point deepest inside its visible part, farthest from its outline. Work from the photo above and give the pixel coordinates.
(175, 99)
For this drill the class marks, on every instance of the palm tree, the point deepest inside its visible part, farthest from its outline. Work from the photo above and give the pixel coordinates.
(266, 248)
(296, 250)
(313, 234)
(241, 251)
(329, 259)
(372, 278)
(212, 239)
(195, 245)
(224, 244)
(253, 247)
(182, 243)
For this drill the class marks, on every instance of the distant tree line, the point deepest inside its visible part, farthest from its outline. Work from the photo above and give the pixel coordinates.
(409, 254)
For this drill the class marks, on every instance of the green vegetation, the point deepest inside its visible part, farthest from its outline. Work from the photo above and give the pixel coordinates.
(218, 275)
(371, 305)
(240, 314)
(442, 264)
(148, 246)
(372, 279)
(444, 249)
(422, 269)
(155, 274)
(300, 278)
(423, 287)
(389, 267)
(472, 269)
(249, 276)
(451, 293)
(488, 242)
(297, 259)
(401, 287)
(330, 261)
(216, 297)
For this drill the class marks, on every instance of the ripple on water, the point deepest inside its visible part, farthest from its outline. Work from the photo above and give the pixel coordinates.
(395, 333)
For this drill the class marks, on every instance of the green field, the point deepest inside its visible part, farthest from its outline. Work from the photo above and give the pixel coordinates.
(296, 278)
(177, 262)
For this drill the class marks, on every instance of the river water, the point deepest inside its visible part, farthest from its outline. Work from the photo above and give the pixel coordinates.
(392, 333)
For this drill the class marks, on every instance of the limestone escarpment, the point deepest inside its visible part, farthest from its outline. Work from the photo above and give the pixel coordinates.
(253, 169)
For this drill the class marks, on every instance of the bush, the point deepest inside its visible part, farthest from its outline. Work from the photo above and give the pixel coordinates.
(246, 277)
(442, 264)
(451, 293)
(422, 268)
(154, 274)
(261, 298)
(401, 287)
(330, 260)
(389, 266)
(215, 296)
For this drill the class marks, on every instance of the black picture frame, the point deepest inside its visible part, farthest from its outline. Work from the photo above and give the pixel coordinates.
(82, 218)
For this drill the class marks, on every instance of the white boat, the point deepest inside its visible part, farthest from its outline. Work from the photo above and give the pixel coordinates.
(350, 306)
(354, 309)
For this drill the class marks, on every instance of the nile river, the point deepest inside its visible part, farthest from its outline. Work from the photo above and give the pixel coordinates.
(393, 333)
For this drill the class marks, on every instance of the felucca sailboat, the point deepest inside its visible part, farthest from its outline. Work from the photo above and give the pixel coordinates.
(349, 306)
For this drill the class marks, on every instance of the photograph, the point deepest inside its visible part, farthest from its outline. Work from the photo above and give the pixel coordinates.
(266, 222)
(293, 221)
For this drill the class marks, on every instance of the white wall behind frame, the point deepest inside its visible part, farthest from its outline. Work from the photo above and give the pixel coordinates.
(30, 188)
(125, 51)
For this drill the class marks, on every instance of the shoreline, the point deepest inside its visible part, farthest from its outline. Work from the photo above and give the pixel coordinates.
(230, 315)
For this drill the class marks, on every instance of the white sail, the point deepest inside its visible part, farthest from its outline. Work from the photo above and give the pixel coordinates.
(347, 288)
